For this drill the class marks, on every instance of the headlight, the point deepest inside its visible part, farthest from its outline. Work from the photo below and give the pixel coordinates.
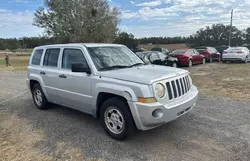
(160, 90)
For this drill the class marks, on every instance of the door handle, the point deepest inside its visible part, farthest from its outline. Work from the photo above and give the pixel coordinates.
(42, 73)
(62, 76)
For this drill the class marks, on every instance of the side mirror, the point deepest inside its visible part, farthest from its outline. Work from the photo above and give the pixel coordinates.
(80, 68)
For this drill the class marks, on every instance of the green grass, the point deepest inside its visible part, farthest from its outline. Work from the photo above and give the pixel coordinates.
(18, 63)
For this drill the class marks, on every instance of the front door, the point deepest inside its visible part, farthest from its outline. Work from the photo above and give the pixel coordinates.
(75, 88)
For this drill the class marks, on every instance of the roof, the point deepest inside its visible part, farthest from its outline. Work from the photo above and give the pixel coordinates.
(80, 45)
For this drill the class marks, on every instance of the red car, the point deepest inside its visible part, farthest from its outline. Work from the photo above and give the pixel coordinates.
(210, 53)
(188, 57)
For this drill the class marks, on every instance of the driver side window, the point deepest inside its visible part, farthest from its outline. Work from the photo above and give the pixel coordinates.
(71, 56)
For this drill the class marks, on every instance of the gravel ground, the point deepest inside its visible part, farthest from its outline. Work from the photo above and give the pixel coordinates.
(217, 129)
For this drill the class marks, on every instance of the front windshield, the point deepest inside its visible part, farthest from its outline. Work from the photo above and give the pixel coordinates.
(113, 56)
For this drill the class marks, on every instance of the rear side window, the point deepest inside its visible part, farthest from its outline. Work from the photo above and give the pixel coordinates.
(72, 56)
(37, 57)
(51, 57)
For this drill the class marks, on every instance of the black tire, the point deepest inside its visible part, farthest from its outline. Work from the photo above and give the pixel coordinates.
(174, 65)
(44, 103)
(219, 60)
(121, 106)
(190, 63)
(246, 60)
(210, 60)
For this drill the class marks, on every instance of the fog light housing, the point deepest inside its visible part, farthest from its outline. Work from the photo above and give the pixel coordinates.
(158, 113)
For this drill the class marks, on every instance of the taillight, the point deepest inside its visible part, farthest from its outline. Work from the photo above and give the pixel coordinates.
(240, 52)
(225, 52)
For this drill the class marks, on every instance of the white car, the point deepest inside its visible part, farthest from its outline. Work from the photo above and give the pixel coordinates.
(236, 54)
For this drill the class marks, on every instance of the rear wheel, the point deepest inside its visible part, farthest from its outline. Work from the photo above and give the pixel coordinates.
(190, 63)
(245, 60)
(204, 61)
(219, 60)
(116, 119)
(210, 59)
(39, 98)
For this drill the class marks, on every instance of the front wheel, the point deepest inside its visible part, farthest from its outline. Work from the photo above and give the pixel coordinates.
(116, 119)
(174, 65)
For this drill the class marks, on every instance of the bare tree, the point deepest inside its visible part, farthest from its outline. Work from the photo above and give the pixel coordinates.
(78, 20)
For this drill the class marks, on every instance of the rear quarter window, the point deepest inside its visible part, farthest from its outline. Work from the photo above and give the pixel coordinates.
(36, 59)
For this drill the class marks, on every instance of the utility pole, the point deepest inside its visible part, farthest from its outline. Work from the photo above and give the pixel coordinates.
(231, 25)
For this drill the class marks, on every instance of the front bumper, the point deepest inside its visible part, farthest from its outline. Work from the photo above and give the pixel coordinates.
(149, 116)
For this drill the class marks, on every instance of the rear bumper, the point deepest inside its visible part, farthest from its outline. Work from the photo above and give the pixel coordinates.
(149, 116)
(236, 57)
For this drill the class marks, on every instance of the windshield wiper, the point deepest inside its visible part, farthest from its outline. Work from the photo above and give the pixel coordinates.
(137, 64)
(114, 67)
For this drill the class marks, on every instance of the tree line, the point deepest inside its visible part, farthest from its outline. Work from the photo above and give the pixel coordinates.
(86, 21)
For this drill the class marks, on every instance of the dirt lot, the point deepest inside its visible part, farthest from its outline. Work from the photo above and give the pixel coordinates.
(18, 63)
(224, 80)
(216, 129)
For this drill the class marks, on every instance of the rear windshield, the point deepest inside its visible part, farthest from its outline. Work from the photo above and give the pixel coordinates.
(201, 49)
(234, 49)
(156, 49)
(178, 52)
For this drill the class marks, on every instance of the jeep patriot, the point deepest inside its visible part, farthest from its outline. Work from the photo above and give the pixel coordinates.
(109, 82)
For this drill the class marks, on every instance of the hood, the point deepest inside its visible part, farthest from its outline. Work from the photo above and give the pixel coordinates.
(146, 74)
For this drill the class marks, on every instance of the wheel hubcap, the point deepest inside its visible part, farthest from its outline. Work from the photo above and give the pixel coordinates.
(204, 61)
(114, 120)
(38, 97)
(190, 63)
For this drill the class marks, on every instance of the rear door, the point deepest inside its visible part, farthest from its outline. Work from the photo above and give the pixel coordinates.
(49, 73)
(194, 56)
(199, 57)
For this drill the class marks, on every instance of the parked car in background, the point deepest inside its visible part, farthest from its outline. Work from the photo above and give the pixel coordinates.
(138, 50)
(158, 58)
(221, 48)
(188, 57)
(108, 81)
(210, 53)
(236, 54)
(163, 50)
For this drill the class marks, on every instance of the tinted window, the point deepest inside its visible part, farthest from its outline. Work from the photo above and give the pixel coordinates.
(37, 57)
(156, 49)
(51, 57)
(72, 56)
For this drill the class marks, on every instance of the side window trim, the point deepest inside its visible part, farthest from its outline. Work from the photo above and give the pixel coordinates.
(62, 53)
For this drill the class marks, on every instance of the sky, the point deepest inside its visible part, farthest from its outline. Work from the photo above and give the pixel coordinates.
(142, 18)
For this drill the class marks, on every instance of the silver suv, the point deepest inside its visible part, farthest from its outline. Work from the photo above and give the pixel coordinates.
(110, 82)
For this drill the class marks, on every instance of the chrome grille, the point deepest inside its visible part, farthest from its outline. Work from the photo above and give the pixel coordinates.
(178, 87)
